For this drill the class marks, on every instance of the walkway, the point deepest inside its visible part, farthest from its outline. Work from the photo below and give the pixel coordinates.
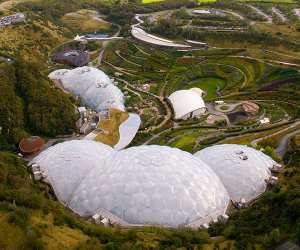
(288, 245)
(105, 44)
(261, 13)
(168, 115)
(284, 143)
(279, 14)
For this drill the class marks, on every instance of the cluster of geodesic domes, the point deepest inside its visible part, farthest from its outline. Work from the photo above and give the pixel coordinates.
(151, 184)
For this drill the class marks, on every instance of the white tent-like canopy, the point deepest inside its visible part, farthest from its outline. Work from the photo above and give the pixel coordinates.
(142, 35)
(243, 170)
(92, 85)
(140, 185)
(187, 103)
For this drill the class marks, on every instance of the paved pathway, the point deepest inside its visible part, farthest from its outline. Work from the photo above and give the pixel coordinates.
(284, 143)
(105, 43)
(261, 13)
(288, 245)
(234, 14)
(168, 110)
(279, 14)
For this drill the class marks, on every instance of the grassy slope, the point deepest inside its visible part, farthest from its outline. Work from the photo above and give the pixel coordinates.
(85, 21)
(111, 126)
(211, 1)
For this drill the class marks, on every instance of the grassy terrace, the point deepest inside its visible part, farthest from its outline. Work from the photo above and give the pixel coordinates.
(221, 73)
(212, 1)
(110, 127)
(85, 21)
(155, 1)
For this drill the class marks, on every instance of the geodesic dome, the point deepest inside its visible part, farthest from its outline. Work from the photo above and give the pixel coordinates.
(140, 185)
(92, 85)
(67, 163)
(243, 170)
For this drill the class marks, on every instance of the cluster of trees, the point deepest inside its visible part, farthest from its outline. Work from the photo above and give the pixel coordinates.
(168, 28)
(28, 103)
(245, 10)
(114, 10)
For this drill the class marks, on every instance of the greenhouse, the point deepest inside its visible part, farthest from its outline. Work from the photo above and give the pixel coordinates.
(139, 185)
(92, 85)
(243, 170)
(151, 184)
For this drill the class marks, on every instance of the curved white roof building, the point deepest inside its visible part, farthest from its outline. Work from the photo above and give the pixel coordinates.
(128, 130)
(92, 85)
(243, 170)
(140, 185)
(142, 35)
(187, 103)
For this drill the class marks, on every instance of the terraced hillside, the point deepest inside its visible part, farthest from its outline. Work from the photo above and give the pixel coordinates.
(244, 55)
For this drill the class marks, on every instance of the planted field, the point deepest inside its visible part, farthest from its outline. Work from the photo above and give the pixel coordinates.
(85, 21)
(269, 1)
(220, 73)
(110, 127)
(210, 85)
(155, 1)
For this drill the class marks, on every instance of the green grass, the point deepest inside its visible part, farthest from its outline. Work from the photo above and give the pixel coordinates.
(155, 1)
(185, 142)
(212, 1)
(270, 1)
(209, 84)
(85, 21)
(111, 127)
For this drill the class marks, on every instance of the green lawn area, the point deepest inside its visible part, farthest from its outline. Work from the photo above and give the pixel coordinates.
(155, 1)
(111, 127)
(270, 1)
(209, 84)
(186, 141)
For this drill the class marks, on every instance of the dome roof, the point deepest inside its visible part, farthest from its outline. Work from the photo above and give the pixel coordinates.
(65, 164)
(139, 185)
(186, 101)
(152, 185)
(243, 170)
(92, 85)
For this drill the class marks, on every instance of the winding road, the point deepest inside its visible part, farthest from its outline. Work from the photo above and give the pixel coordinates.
(105, 43)
(284, 143)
